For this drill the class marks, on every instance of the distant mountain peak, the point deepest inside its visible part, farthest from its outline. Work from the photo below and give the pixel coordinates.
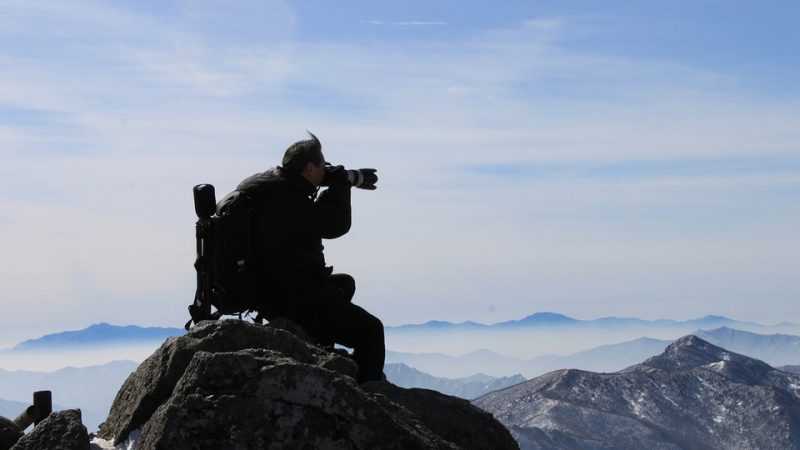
(548, 317)
(714, 317)
(99, 334)
(691, 341)
(690, 352)
(694, 395)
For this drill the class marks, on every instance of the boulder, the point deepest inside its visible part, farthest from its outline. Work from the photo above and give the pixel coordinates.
(152, 383)
(233, 384)
(9, 433)
(62, 430)
(297, 405)
(454, 419)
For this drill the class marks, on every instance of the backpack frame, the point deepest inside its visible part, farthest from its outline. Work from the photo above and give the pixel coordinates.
(224, 263)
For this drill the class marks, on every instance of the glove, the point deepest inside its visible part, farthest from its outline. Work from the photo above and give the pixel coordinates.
(363, 178)
(334, 175)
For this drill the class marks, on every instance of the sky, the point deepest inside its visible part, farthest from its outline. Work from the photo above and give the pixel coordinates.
(609, 158)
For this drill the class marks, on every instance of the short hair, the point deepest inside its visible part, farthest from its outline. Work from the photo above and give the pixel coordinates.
(301, 153)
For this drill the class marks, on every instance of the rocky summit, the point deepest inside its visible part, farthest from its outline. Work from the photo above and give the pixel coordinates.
(236, 385)
(693, 396)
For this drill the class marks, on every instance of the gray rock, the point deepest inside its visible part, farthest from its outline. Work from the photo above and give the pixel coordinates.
(152, 383)
(61, 430)
(692, 396)
(235, 385)
(288, 405)
(9, 433)
(454, 419)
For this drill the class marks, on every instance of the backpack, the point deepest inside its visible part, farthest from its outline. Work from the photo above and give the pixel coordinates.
(225, 265)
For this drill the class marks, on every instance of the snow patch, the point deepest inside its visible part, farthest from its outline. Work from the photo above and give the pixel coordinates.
(130, 444)
(720, 417)
(672, 402)
(637, 404)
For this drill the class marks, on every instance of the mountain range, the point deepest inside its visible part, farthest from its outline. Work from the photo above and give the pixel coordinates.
(99, 334)
(551, 319)
(104, 333)
(92, 389)
(547, 333)
(776, 349)
(468, 387)
(693, 395)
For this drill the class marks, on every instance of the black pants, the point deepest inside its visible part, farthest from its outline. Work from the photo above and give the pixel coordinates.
(331, 318)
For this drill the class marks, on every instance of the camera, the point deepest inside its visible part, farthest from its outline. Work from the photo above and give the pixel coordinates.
(360, 178)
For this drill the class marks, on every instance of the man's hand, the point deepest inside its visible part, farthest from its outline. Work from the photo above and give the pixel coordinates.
(334, 175)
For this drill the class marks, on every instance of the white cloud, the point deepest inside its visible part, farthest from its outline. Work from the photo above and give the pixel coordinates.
(106, 216)
(416, 23)
(412, 23)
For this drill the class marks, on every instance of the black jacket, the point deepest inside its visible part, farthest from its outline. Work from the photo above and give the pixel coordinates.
(289, 226)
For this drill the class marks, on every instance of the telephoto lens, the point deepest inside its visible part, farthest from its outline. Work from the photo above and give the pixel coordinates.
(363, 178)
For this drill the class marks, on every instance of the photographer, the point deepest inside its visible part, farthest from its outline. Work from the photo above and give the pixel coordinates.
(290, 222)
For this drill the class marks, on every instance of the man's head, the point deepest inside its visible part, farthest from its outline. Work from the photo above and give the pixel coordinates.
(305, 158)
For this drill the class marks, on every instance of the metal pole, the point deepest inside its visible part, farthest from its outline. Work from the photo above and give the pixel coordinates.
(43, 402)
(40, 409)
(25, 419)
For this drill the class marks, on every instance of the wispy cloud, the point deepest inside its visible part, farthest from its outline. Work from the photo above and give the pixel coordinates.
(410, 23)
(511, 156)
(415, 23)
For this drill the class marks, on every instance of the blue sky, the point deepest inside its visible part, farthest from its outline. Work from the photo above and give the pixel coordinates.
(630, 158)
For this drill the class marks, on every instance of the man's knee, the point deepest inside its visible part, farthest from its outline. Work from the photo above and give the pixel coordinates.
(345, 283)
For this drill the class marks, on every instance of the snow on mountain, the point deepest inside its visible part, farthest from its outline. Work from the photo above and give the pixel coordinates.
(693, 395)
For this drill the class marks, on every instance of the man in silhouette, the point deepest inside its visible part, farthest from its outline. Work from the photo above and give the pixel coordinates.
(291, 220)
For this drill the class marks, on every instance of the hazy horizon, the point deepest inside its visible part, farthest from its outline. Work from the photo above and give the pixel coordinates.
(10, 343)
(524, 343)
